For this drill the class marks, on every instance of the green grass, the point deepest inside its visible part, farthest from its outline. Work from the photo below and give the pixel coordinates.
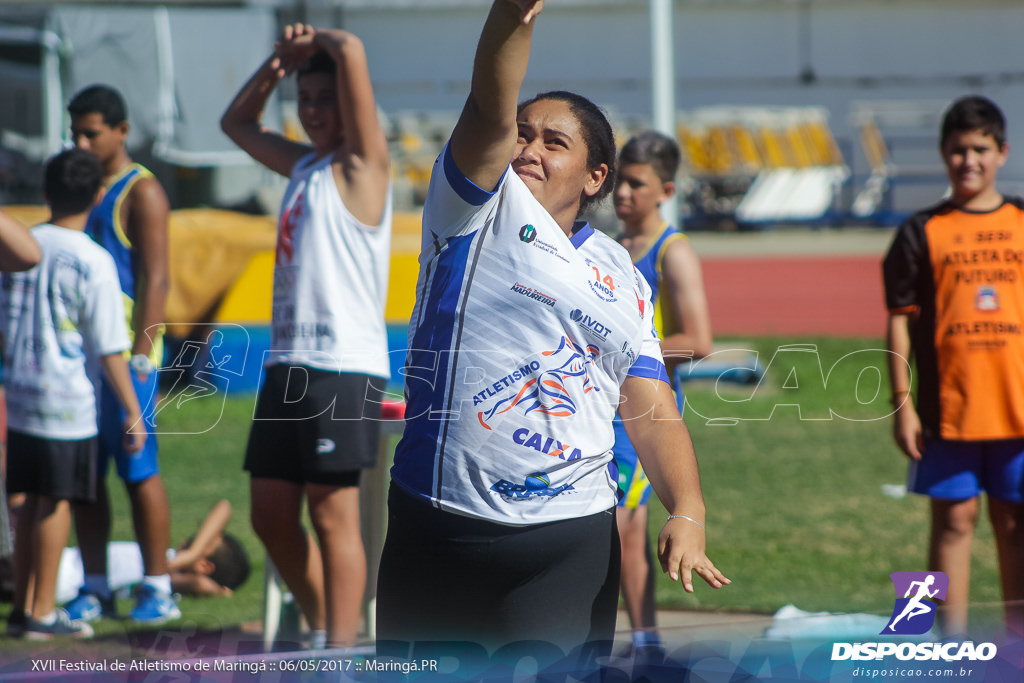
(201, 462)
(795, 508)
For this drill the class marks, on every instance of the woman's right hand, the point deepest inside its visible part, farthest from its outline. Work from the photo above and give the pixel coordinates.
(528, 9)
(681, 552)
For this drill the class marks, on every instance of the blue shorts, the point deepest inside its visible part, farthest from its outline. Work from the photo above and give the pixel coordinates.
(131, 467)
(634, 487)
(958, 470)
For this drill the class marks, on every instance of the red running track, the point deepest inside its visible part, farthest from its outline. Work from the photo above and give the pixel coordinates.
(833, 296)
(829, 296)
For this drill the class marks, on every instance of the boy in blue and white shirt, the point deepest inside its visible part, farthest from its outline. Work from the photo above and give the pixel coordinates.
(56, 319)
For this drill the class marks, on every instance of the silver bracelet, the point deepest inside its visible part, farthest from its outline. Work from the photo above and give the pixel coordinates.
(691, 519)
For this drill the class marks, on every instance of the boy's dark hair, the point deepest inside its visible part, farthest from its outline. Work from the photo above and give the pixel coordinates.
(71, 181)
(100, 99)
(597, 135)
(974, 112)
(230, 563)
(319, 63)
(655, 149)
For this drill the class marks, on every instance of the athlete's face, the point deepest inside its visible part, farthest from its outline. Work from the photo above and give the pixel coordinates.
(318, 110)
(551, 158)
(972, 160)
(638, 192)
(89, 132)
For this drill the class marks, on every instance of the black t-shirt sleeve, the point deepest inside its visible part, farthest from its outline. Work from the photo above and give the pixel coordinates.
(903, 266)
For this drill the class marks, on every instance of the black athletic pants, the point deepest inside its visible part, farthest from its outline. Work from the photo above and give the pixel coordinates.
(446, 577)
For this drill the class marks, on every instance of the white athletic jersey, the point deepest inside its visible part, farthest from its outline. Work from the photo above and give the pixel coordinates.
(124, 569)
(520, 339)
(56, 319)
(330, 278)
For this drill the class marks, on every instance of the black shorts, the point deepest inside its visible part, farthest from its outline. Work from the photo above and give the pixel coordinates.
(313, 426)
(551, 587)
(65, 470)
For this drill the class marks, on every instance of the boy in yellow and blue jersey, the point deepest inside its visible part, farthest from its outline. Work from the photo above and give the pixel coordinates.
(663, 255)
(131, 224)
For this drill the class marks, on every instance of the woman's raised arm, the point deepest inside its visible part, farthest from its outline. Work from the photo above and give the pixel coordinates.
(485, 136)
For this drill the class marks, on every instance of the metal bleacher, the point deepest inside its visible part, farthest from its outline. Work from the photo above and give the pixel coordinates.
(874, 121)
(750, 164)
(762, 164)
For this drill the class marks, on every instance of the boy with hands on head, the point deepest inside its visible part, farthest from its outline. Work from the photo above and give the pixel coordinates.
(333, 237)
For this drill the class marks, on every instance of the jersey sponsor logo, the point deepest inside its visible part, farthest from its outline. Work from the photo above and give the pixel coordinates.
(971, 258)
(602, 284)
(506, 382)
(325, 446)
(637, 288)
(979, 275)
(983, 265)
(545, 444)
(536, 295)
(631, 355)
(528, 235)
(537, 484)
(302, 331)
(590, 325)
(555, 391)
(982, 256)
(987, 299)
(993, 236)
(982, 327)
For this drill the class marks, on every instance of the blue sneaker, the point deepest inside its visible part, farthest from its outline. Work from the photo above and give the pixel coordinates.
(61, 626)
(153, 606)
(88, 606)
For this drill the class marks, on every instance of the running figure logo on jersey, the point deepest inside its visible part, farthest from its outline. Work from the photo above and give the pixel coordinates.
(549, 393)
(286, 238)
(914, 612)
